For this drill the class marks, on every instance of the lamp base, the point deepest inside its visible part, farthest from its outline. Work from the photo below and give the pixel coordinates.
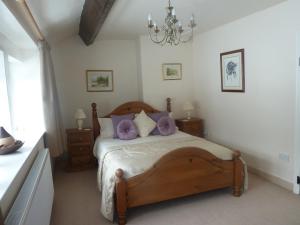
(188, 115)
(79, 124)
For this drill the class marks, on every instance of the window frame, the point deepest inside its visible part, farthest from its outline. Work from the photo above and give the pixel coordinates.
(6, 82)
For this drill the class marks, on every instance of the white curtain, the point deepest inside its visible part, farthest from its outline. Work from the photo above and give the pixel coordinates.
(53, 125)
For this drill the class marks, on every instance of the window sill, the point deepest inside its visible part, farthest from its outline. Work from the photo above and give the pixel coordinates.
(13, 170)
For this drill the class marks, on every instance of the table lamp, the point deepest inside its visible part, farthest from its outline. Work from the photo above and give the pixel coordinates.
(80, 116)
(188, 107)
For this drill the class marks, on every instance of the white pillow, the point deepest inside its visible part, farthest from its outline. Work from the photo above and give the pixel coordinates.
(107, 128)
(144, 124)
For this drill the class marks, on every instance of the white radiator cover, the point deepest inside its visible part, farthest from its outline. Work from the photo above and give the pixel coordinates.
(33, 204)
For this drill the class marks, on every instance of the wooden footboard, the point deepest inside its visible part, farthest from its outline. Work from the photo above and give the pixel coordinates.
(182, 172)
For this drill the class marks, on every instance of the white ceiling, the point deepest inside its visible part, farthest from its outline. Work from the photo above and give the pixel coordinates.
(11, 32)
(59, 19)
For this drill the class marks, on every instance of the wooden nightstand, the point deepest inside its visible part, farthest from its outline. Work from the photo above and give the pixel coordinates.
(193, 126)
(80, 149)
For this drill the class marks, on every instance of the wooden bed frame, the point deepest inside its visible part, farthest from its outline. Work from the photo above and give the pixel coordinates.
(182, 172)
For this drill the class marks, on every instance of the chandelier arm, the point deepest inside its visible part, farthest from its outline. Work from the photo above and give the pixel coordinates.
(189, 38)
(163, 42)
(156, 41)
(177, 38)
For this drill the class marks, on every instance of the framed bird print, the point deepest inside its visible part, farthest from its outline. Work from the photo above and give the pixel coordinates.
(232, 71)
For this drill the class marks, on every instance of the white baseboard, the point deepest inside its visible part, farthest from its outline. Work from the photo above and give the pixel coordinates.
(273, 179)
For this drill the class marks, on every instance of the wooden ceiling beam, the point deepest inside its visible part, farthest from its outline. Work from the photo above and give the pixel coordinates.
(92, 18)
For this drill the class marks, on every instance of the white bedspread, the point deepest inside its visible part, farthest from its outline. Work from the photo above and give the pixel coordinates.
(136, 156)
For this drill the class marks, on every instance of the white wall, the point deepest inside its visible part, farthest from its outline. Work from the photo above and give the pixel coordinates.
(261, 121)
(139, 70)
(72, 58)
(155, 89)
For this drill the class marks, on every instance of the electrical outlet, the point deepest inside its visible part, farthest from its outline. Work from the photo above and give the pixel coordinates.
(284, 157)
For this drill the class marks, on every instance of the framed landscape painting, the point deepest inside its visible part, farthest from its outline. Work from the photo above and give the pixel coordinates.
(232, 71)
(172, 71)
(99, 80)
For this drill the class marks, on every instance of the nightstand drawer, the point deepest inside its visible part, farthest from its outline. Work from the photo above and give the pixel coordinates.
(193, 131)
(192, 126)
(76, 138)
(79, 160)
(80, 150)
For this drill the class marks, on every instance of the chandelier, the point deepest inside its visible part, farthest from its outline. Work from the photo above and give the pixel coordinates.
(172, 31)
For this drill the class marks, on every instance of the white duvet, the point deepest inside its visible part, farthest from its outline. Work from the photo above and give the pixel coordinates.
(138, 155)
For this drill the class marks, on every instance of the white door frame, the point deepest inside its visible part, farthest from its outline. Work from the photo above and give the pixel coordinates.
(297, 119)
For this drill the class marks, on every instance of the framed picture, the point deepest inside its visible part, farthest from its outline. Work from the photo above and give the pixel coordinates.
(172, 71)
(99, 80)
(232, 71)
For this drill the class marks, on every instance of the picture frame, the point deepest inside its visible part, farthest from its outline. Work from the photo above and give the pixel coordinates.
(172, 71)
(232, 71)
(99, 80)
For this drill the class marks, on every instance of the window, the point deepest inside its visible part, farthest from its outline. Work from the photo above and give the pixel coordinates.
(25, 95)
(20, 87)
(4, 111)
(20, 95)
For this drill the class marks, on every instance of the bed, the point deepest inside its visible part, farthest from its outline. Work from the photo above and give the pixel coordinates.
(154, 169)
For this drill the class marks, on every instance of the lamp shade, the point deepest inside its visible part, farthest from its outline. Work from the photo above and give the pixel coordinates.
(80, 114)
(188, 106)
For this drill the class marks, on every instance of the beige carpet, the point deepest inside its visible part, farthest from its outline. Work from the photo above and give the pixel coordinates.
(77, 202)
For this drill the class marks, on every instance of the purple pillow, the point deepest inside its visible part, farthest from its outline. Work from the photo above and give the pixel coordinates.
(166, 126)
(117, 119)
(156, 117)
(126, 130)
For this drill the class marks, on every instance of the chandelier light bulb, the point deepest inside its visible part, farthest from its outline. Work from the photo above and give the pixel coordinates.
(150, 23)
(173, 12)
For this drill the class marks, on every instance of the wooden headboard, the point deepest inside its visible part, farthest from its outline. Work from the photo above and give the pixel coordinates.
(129, 107)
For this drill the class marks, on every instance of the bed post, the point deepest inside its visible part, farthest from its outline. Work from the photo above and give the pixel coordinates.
(121, 192)
(169, 109)
(96, 125)
(238, 174)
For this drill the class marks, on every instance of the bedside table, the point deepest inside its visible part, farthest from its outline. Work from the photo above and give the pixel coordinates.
(80, 148)
(193, 126)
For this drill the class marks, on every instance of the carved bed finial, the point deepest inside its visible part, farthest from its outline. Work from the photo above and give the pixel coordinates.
(169, 109)
(236, 154)
(119, 173)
